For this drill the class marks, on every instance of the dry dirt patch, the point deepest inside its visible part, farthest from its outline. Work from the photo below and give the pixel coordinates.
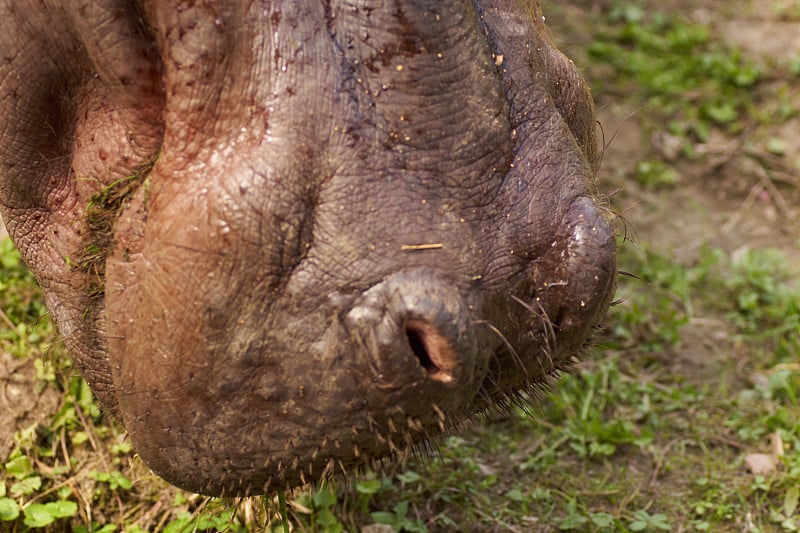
(738, 195)
(24, 399)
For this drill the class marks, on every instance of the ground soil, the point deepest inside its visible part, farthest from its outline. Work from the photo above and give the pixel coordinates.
(24, 399)
(724, 200)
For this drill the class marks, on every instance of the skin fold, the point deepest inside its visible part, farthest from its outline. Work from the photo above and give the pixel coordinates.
(285, 239)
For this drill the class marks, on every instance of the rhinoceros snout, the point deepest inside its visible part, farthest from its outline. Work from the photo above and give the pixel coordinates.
(221, 207)
(416, 326)
(590, 263)
(574, 280)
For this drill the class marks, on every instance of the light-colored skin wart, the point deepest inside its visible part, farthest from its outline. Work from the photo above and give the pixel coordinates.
(282, 239)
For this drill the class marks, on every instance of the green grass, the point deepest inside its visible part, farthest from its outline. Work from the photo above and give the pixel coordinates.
(630, 443)
(22, 307)
(678, 68)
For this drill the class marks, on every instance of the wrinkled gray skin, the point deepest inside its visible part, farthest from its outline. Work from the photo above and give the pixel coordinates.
(258, 311)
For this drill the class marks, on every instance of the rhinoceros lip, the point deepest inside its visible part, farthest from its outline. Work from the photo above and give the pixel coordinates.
(102, 212)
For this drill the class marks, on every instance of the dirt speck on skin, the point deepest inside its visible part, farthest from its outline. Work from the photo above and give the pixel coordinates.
(24, 399)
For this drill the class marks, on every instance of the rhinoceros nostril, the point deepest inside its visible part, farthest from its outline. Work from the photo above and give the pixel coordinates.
(433, 350)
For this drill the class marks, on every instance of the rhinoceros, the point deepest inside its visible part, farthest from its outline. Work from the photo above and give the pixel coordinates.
(283, 239)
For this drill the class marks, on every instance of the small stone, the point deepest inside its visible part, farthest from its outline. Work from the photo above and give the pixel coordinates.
(377, 528)
(761, 464)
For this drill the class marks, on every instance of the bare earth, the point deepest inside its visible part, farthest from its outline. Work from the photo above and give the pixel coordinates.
(737, 197)
(24, 399)
(725, 201)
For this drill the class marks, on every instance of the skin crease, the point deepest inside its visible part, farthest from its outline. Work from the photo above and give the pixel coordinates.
(351, 224)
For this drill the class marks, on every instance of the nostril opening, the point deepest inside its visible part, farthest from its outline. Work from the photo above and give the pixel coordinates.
(418, 347)
(432, 350)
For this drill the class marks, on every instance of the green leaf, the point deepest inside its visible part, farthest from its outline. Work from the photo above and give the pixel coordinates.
(45, 370)
(38, 515)
(789, 525)
(325, 497)
(573, 521)
(284, 511)
(409, 477)
(65, 417)
(383, 517)
(115, 479)
(722, 112)
(515, 495)
(121, 448)
(660, 521)
(26, 486)
(108, 528)
(178, 525)
(9, 509)
(401, 510)
(328, 521)
(790, 501)
(206, 522)
(776, 146)
(103, 477)
(602, 519)
(79, 438)
(601, 449)
(42, 514)
(19, 467)
(63, 508)
(370, 486)
(118, 480)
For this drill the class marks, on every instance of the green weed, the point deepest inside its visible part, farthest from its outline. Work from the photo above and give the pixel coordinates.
(678, 69)
(22, 328)
(583, 461)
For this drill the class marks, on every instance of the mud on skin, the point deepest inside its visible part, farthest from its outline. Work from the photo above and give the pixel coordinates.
(284, 239)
